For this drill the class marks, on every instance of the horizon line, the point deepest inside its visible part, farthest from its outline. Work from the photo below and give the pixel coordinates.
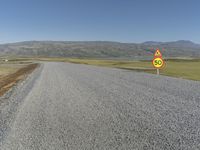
(13, 42)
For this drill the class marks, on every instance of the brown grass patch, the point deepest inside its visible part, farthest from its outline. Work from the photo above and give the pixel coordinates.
(8, 81)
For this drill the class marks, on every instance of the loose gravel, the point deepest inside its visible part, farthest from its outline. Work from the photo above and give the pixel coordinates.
(73, 106)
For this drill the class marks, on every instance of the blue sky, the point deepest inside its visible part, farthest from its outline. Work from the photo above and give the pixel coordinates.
(112, 20)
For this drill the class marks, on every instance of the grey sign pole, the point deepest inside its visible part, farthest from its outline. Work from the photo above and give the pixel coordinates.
(158, 72)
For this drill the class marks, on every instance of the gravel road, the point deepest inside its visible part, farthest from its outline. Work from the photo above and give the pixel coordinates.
(72, 106)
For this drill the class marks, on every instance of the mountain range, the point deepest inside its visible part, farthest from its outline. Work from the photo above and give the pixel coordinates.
(100, 49)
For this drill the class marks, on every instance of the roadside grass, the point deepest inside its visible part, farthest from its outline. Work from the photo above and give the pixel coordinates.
(11, 73)
(187, 68)
(5, 70)
(180, 68)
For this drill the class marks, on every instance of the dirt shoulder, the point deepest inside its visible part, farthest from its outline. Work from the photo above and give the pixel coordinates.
(10, 80)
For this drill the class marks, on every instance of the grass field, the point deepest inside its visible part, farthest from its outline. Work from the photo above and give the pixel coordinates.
(186, 68)
(181, 68)
(12, 72)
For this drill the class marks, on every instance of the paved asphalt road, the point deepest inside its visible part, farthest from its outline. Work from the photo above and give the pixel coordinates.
(80, 107)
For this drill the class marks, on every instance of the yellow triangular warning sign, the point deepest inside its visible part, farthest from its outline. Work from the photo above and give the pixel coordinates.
(157, 53)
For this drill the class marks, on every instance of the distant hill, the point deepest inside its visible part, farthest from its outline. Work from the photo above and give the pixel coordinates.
(100, 49)
(151, 43)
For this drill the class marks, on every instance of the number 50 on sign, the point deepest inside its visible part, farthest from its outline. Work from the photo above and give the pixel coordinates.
(158, 63)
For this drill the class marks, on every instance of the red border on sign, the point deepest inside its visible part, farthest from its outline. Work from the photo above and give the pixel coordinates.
(157, 50)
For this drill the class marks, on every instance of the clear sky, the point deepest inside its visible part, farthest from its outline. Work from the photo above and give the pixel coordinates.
(112, 20)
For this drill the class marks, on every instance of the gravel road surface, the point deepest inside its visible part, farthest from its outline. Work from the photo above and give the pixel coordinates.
(78, 107)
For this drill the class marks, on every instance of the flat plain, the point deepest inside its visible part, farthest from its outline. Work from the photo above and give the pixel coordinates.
(180, 68)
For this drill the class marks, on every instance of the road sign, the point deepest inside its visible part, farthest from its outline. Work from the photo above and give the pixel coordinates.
(158, 53)
(158, 63)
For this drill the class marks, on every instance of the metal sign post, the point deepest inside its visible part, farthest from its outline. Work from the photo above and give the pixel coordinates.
(158, 72)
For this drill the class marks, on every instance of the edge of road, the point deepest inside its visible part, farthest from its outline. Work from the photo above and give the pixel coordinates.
(12, 99)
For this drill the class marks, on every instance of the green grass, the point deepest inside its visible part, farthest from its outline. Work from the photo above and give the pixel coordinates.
(6, 69)
(181, 68)
(10, 67)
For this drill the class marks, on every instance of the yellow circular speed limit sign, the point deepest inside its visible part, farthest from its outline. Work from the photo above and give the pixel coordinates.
(158, 62)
